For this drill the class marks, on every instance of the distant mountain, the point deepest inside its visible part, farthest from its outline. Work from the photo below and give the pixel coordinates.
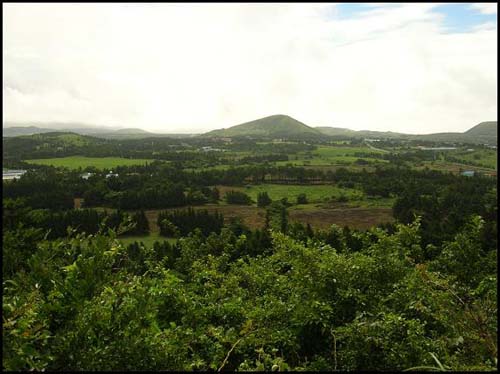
(274, 127)
(24, 130)
(483, 133)
(29, 128)
(488, 128)
(339, 131)
(277, 126)
(131, 131)
(12, 129)
(285, 127)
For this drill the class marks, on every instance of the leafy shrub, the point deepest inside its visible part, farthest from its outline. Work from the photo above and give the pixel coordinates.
(237, 197)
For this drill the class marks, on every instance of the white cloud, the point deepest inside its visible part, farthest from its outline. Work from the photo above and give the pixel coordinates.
(485, 8)
(192, 67)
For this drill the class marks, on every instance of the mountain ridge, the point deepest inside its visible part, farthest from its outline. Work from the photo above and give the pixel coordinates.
(275, 126)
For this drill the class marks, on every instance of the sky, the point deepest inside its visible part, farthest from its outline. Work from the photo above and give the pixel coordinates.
(189, 68)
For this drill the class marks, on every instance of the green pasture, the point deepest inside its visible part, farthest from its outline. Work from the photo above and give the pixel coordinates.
(314, 193)
(75, 162)
(484, 157)
(334, 152)
(332, 155)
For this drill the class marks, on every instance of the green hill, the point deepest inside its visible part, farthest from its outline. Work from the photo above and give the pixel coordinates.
(483, 133)
(42, 145)
(486, 132)
(488, 128)
(277, 126)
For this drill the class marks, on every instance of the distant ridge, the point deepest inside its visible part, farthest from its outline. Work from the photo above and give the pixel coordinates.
(276, 126)
(25, 130)
(483, 133)
(20, 129)
(286, 127)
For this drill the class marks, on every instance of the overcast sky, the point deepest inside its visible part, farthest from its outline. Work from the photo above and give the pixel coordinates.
(414, 68)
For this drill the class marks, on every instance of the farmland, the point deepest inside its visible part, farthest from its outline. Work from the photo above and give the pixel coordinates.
(81, 162)
(314, 193)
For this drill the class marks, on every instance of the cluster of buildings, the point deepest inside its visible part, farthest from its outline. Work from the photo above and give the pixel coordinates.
(210, 149)
(108, 175)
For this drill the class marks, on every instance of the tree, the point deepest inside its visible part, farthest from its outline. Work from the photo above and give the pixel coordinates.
(302, 198)
(263, 199)
(141, 223)
(167, 228)
(237, 197)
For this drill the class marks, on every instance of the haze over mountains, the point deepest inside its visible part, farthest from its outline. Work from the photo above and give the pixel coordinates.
(275, 127)
(11, 129)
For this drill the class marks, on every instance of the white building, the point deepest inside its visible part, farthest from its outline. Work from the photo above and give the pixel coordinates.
(111, 174)
(12, 174)
(86, 175)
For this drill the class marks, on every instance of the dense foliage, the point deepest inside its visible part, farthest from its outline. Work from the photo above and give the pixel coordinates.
(238, 197)
(85, 302)
(182, 222)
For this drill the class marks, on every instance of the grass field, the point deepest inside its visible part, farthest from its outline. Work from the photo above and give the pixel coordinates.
(314, 193)
(75, 162)
(483, 157)
(451, 167)
(328, 155)
(332, 152)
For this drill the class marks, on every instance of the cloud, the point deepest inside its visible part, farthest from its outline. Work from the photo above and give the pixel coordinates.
(193, 67)
(485, 8)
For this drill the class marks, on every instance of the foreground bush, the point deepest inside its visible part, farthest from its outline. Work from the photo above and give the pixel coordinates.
(85, 302)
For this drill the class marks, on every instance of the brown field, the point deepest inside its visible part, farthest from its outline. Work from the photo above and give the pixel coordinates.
(318, 217)
(359, 218)
(250, 215)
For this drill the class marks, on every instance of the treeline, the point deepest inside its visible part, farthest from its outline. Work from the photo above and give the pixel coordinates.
(187, 149)
(445, 209)
(182, 222)
(55, 224)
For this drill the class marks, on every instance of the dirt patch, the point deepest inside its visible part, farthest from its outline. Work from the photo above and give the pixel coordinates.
(359, 218)
(319, 218)
(152, 216)
(224, 189)
(251, 216)
(77, 202)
